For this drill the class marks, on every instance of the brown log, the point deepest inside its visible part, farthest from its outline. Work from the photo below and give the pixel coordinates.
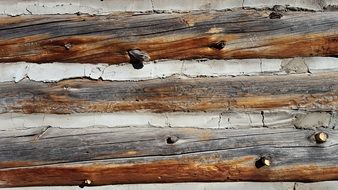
(318, 92)
(101, 155)
(216, 35)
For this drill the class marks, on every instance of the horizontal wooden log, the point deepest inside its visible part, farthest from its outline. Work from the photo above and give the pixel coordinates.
(303, 91)
(54, 156)
(217, 35)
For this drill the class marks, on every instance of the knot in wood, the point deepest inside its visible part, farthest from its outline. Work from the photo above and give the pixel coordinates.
(275, 15)
(172, 139)
(218, 45)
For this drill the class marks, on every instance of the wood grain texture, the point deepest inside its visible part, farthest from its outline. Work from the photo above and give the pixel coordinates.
(317, 92)
(53, 156)
(107, 39)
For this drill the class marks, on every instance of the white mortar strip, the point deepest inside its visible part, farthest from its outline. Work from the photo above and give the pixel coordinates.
(18, 7)
(53, 72)
(229, 120)
(57, 71)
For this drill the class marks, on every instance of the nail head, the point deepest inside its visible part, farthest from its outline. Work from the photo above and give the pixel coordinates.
(87, 182)
(263, 162)
(266, 161)
(321, 137)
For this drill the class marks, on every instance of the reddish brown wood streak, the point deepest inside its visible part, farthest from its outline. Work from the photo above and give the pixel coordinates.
(107, 39)
(167, 171)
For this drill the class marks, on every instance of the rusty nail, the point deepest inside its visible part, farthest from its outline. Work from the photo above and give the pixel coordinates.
(137, 57)
(266, 161)
(172, 139)
(263, 161)
(321, 137)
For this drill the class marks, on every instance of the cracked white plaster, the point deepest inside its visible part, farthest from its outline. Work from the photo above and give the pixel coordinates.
(119, 119)
(321, 64)
(187, 5)
(280, 119)
(53, 72)
(13, 71)
(149, 71)
(221, 68)
(19, 7)
(316, 5)
(241, 120)
(236, 120)
(294, 65)
(312, 120)
(201, 120)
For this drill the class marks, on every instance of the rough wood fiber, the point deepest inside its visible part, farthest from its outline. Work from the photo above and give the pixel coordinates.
(53, 156)
(218, 35)
(303, 91)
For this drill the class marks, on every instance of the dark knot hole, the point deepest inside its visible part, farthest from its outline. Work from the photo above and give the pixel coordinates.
(172, 139)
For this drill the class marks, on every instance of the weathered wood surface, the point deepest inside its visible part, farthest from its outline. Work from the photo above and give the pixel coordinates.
(219, 35)
(303, 91)
(53, 156)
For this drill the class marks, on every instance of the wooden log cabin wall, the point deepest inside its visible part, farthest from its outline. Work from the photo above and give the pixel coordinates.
(140, 93)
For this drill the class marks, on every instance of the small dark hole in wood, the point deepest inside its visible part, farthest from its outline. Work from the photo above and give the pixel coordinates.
(172, 140)
(275, 15)
(261, 162)
(137, 100)
(218, 45)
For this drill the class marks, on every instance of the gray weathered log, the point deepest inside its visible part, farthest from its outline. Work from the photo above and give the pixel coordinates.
(303, 91)
(54, 156)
